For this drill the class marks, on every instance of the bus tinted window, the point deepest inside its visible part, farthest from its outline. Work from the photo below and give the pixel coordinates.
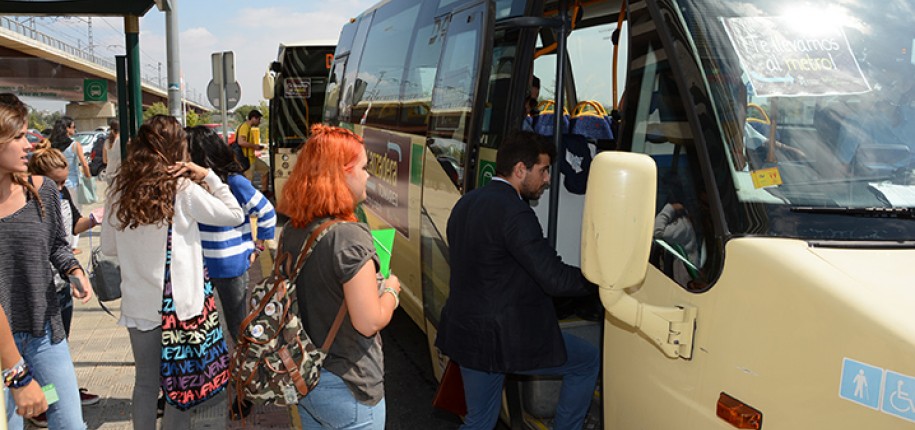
(417, 89)
(381, 69)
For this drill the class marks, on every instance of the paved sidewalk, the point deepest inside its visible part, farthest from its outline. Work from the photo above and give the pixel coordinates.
(104, 365)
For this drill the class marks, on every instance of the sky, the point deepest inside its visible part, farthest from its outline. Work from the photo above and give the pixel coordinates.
(252, 30)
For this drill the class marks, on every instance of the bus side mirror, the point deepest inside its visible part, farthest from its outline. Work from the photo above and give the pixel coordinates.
(618, 219)
(616, 232)
(268, 85)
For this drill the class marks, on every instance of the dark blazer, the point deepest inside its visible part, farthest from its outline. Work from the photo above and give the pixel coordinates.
(499, 316)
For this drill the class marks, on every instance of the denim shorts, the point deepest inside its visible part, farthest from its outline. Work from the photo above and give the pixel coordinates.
(331, 405)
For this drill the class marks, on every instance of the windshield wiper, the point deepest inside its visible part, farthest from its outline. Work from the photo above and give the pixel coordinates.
(903, 213)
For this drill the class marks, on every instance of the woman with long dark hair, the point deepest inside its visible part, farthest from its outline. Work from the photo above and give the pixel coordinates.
(62, 140)
(228, 251)
(328, 181)
(152, 215)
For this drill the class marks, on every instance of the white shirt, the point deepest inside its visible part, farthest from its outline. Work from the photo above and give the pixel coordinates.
(141, 251)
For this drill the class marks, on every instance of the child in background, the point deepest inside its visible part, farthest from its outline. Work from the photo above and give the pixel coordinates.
(49, 162)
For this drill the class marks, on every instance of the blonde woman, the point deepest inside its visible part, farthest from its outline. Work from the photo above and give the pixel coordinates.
(33, 234)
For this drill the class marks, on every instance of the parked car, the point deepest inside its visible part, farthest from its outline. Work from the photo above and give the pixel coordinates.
(87, 139)
(218, 128)
(33, 138)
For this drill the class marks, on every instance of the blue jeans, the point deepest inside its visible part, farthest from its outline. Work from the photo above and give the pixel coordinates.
(331, 405)
(50, 364)
(483, 390)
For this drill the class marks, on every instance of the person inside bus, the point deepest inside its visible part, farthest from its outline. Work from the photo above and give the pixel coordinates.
(530, 104)
(674, 226)
(499, 316)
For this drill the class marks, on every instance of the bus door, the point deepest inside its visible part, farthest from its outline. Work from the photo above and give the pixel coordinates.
(454, 125)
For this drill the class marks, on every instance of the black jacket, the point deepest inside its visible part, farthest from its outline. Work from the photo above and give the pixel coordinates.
(499, 315)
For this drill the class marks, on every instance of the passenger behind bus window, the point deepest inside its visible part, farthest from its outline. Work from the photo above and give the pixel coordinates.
(530, 104)
(674, 226)
(499, 316)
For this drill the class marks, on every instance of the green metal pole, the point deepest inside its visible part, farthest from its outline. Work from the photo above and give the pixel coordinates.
(132, 33)
(123, 103)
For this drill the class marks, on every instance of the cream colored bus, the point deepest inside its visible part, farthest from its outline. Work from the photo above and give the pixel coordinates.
(744, 169)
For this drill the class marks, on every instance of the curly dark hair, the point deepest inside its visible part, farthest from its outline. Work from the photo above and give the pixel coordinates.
(145, 188)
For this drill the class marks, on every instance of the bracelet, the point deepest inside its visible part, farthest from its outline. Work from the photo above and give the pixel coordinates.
(13, 370)
(17, 376)
(393, 293)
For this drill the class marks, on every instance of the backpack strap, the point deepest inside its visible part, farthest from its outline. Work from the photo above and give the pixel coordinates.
(309, 246)
(305, 252)
(329, 340)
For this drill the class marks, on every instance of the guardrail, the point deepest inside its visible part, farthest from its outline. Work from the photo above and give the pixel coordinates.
(52, 42)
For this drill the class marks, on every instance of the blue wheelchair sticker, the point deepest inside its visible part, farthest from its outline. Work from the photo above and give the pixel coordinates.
(861, 383)
(899, 395)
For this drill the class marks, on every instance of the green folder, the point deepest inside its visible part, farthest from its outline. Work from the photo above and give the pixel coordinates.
(384, 242)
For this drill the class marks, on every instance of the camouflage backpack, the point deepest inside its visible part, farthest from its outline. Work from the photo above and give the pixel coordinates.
(274, 360)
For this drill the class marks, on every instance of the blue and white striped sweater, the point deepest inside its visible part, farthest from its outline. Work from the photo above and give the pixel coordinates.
(226, 249)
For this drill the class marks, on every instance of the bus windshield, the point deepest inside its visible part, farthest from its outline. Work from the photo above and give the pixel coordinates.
(815, 100)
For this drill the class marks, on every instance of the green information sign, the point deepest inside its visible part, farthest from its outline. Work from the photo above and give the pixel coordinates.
(487, 171)
(416, 164)
(95, 90)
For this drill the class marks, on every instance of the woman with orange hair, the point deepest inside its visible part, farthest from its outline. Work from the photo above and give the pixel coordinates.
(328, 181)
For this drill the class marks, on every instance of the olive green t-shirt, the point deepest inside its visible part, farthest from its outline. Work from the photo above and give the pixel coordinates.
(337, 257)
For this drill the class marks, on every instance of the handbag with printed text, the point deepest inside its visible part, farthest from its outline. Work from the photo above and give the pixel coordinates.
(195, 358)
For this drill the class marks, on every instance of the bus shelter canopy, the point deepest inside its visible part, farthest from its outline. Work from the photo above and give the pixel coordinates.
(76, 7)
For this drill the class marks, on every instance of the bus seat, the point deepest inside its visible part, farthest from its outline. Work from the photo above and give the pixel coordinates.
(590, 119)
(544, 123)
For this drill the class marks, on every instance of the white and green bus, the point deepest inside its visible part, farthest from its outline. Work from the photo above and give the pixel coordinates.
(747, 202)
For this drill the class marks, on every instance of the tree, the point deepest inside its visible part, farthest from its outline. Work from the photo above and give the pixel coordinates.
(41, 120)
(157, 108)
(192, 118)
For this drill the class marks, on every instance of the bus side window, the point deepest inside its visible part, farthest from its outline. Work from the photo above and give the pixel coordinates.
(420, 77)
(350, 84)
(381, 70)
(453, 96)
(660, 128)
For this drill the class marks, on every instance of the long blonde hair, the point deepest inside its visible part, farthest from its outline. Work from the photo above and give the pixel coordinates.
(13, 116)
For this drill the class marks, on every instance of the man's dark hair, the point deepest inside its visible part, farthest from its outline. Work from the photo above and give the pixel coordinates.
(535, 82)
(255, 114)
(523, 146)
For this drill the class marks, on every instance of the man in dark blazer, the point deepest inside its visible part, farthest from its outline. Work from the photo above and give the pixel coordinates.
(499, 317)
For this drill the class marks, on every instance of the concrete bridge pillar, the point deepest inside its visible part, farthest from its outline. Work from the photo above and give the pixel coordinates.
(91, 115)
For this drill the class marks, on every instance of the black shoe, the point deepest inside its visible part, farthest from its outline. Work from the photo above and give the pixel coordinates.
(239, 410)
(160, 406)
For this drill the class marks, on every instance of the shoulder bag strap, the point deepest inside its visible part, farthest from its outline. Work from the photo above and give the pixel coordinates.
(309, 245)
